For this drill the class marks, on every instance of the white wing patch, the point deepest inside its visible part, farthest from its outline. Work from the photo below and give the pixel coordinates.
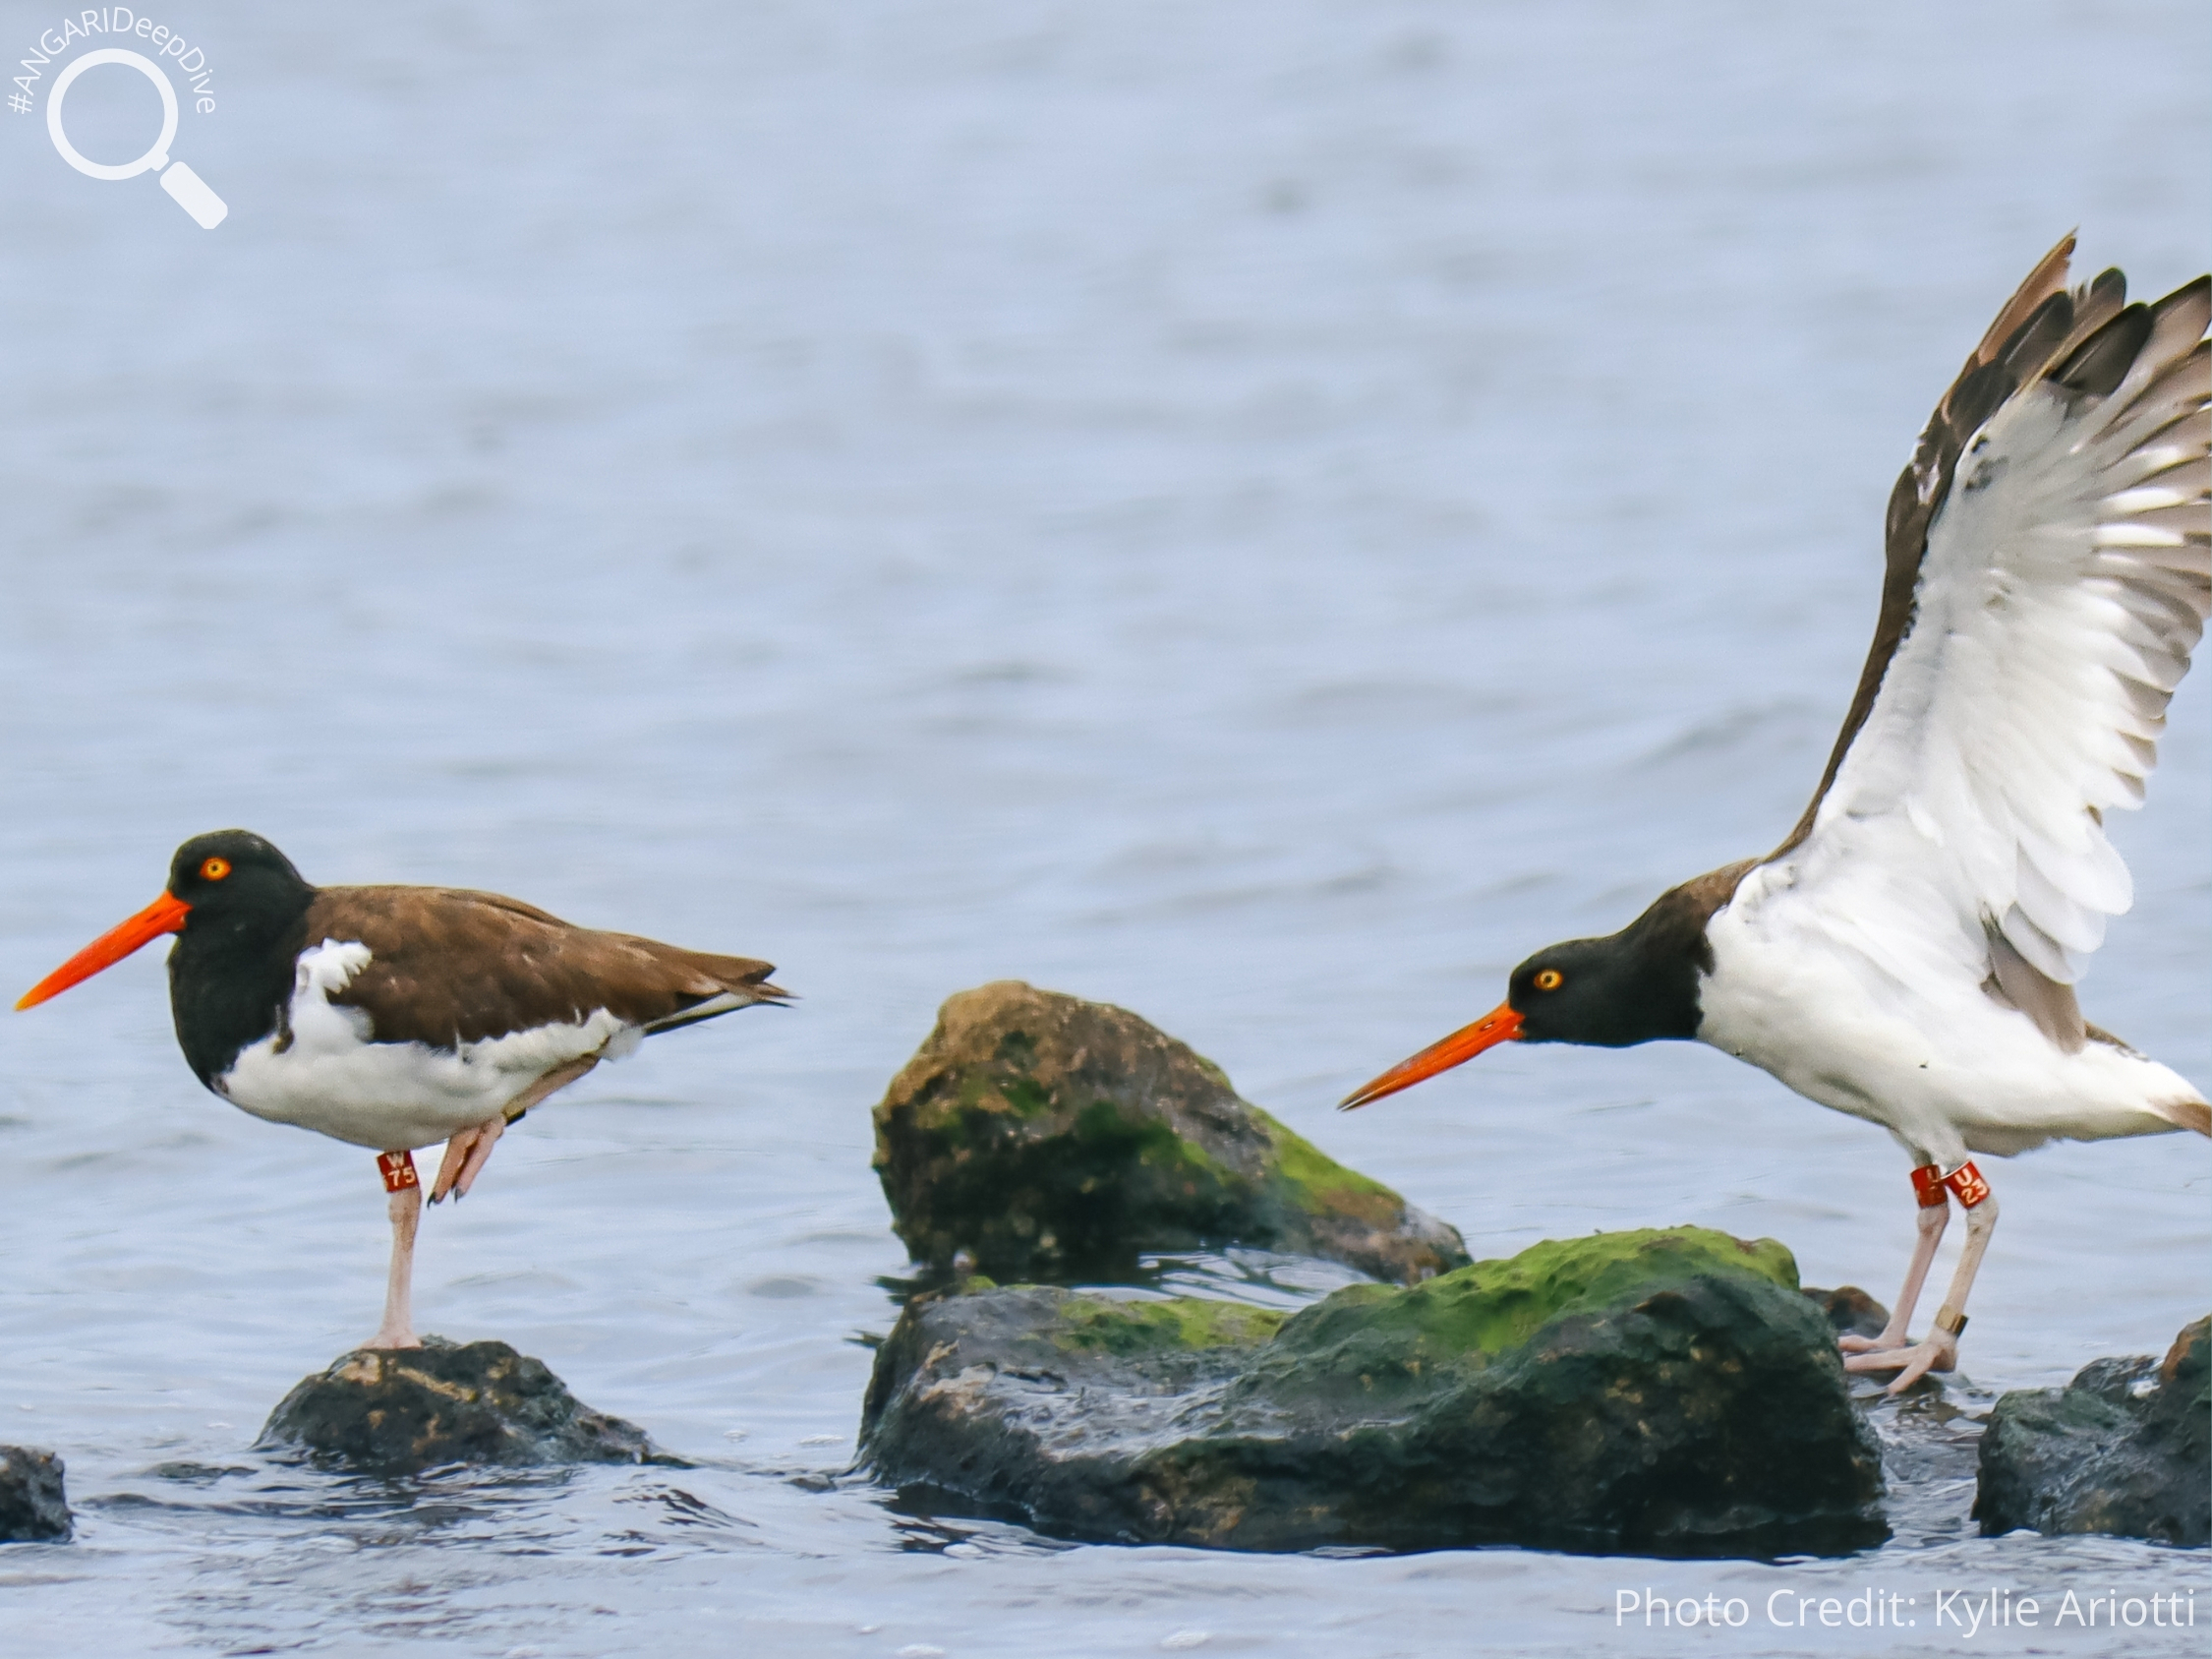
(322, 1069)
(2066, 580)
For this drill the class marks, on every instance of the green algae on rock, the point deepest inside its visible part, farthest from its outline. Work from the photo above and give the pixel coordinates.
(2122, 1450)
(1372, 1333)
(400, 1411)
(1176, 1323)
(1037, 1133)
(1662, 1392)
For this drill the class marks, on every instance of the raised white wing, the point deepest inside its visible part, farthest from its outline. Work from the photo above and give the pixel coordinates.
(2066, 577)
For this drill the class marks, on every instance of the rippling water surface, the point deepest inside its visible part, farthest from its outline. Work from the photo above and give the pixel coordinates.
(1262, 513)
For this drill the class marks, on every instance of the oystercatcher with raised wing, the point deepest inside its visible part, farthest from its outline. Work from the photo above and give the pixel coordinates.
(1910, 954)
(398, 1017)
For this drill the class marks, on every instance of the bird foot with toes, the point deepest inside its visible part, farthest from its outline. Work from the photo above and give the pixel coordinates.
(466, 1154)
(1939, 1353)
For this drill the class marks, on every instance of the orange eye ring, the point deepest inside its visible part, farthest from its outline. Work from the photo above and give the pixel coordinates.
(1550, 980)
(215, 870)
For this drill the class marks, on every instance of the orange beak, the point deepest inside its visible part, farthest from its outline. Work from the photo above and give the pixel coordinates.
(166, 915)
(1499, 1024)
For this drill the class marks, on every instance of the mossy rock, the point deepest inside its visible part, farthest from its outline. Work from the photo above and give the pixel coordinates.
(2123, 1449)
(400, 1411)
(1371, 1338)
(1039, 1134)
(1661, 1392)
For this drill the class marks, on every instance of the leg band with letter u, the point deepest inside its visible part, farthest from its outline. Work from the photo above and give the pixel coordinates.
(1967, 1181)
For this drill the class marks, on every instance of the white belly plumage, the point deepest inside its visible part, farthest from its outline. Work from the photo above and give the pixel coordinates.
(325, 1074)
(1912, 1044)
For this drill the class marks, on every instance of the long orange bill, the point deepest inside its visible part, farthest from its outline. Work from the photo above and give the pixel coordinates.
(166, 915)
(1499, 1024)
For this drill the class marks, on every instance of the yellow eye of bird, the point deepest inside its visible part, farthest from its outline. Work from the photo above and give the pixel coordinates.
(215, 870)
(1550, 980)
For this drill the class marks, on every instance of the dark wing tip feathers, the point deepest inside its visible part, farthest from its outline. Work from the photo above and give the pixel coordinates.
(2048, 278)
(2100, 363)
(747, 978)
(2198, 291)
(707, 980)
(742, 975)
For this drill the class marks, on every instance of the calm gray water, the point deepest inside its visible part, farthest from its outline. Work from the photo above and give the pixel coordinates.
(1261, 513)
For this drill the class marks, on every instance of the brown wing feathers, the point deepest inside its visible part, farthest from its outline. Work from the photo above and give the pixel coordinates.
(2087, 341)
(448, 966)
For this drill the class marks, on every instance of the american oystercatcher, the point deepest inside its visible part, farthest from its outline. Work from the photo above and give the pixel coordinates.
(1910, 954)
(398, 1017)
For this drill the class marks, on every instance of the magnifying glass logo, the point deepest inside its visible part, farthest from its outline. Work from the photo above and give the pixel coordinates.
(186, 187)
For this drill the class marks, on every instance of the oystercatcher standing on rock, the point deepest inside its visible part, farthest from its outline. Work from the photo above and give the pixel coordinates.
(398, 1017)
(1910, 954)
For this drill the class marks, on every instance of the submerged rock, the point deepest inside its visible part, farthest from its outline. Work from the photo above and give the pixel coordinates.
(1850, 1311)
(1037, 1133)
(398, 1412)
(1666, 1392)
(32, 1507)
(2123, 1449)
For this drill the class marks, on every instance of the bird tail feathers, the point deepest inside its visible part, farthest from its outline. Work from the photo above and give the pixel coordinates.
(2187, 1114)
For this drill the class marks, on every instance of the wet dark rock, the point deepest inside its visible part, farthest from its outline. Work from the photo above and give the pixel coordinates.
(1850, 1311)
(1666, 1392)
(1038, 1134)
(399, 1412)
(32, 1507)
(2123, 1449)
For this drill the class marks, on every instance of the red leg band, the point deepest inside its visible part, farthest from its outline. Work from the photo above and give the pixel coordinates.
(399, 1170)
(1967, 1181)
(1928, 1186)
